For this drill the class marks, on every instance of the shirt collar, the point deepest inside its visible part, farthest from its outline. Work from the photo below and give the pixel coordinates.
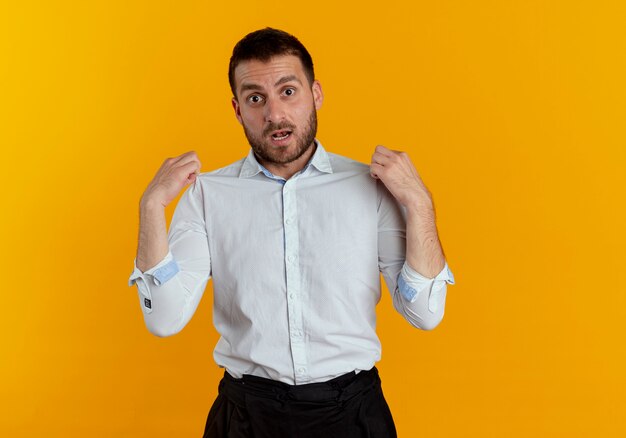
(319, 160)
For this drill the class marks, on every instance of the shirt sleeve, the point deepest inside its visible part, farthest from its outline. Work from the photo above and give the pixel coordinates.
(170, 291)
(420, 300)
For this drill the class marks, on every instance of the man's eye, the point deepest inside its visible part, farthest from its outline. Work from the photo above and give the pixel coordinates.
(254, 98)
(290, 91)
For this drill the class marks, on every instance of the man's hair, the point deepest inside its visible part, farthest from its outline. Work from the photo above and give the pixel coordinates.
(264, 44)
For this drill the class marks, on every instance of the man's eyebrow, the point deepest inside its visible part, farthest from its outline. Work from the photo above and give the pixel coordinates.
(245, 87)
(283, 80)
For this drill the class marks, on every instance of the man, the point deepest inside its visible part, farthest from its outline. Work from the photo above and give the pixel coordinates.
(294, 238)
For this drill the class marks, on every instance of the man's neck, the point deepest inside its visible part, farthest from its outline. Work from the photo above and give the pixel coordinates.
(288, 170)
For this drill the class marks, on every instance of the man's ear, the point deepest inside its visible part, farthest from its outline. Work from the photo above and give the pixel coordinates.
(318, 94)
(237, 110)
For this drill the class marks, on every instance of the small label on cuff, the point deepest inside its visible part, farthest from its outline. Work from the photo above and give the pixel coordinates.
(147, 303)
(409, 293)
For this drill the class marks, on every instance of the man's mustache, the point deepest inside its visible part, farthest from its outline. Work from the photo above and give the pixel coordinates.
(278, 127)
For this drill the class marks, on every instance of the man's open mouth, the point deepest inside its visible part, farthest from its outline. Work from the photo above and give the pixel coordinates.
(281, 135)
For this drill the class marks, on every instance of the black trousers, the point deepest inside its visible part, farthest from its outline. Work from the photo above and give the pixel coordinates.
(348, 406)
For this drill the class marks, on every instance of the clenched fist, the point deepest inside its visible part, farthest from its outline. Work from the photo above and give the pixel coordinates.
(173, 175)
(397, 172)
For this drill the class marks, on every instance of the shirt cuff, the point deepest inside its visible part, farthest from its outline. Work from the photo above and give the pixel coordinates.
(411, 283)
(160, 273)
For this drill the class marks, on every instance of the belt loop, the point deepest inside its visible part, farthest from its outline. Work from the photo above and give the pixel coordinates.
(339, 398)
(279, 395)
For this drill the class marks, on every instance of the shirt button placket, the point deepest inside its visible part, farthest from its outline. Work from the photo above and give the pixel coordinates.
(292, 268)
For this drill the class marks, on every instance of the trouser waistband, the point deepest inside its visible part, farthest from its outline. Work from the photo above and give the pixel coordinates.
(337, 390)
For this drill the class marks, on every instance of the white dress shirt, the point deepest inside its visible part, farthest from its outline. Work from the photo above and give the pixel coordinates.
(295, 266)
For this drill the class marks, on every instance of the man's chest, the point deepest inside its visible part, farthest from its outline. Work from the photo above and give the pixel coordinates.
(261, 226)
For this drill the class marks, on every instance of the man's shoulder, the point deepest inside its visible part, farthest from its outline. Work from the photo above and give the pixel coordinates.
(341, 163)
(229, 171)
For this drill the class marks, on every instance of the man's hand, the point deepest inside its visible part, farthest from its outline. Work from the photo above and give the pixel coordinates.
(173, 175)
(396, 171)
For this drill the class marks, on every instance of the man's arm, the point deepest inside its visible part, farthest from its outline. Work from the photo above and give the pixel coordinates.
(173, 175)
(418, 281)
(152, 246)
(423, 249)
(171, 271)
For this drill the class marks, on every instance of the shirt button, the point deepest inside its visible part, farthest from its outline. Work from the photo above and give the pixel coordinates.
(287, 221)
(292, 296)
(301, 370)
(290, 258)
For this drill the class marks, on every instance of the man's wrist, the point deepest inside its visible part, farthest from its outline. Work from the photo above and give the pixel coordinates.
(421, 205)
(148, 205)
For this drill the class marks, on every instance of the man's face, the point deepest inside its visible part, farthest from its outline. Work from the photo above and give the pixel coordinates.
(277, 107)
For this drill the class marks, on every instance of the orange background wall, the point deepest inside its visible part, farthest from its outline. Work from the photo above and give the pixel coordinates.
(513, 112)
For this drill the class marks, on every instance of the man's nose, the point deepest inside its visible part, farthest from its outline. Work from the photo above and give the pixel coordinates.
(274, 110)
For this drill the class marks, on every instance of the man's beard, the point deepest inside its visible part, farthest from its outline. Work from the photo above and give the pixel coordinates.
(270, 154)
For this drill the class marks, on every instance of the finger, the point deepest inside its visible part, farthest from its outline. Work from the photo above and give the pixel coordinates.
(185, 161)
(376, 169)
(381, 159)
(383, 150)
(190, 179)
(185, 158)
(191, 168)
